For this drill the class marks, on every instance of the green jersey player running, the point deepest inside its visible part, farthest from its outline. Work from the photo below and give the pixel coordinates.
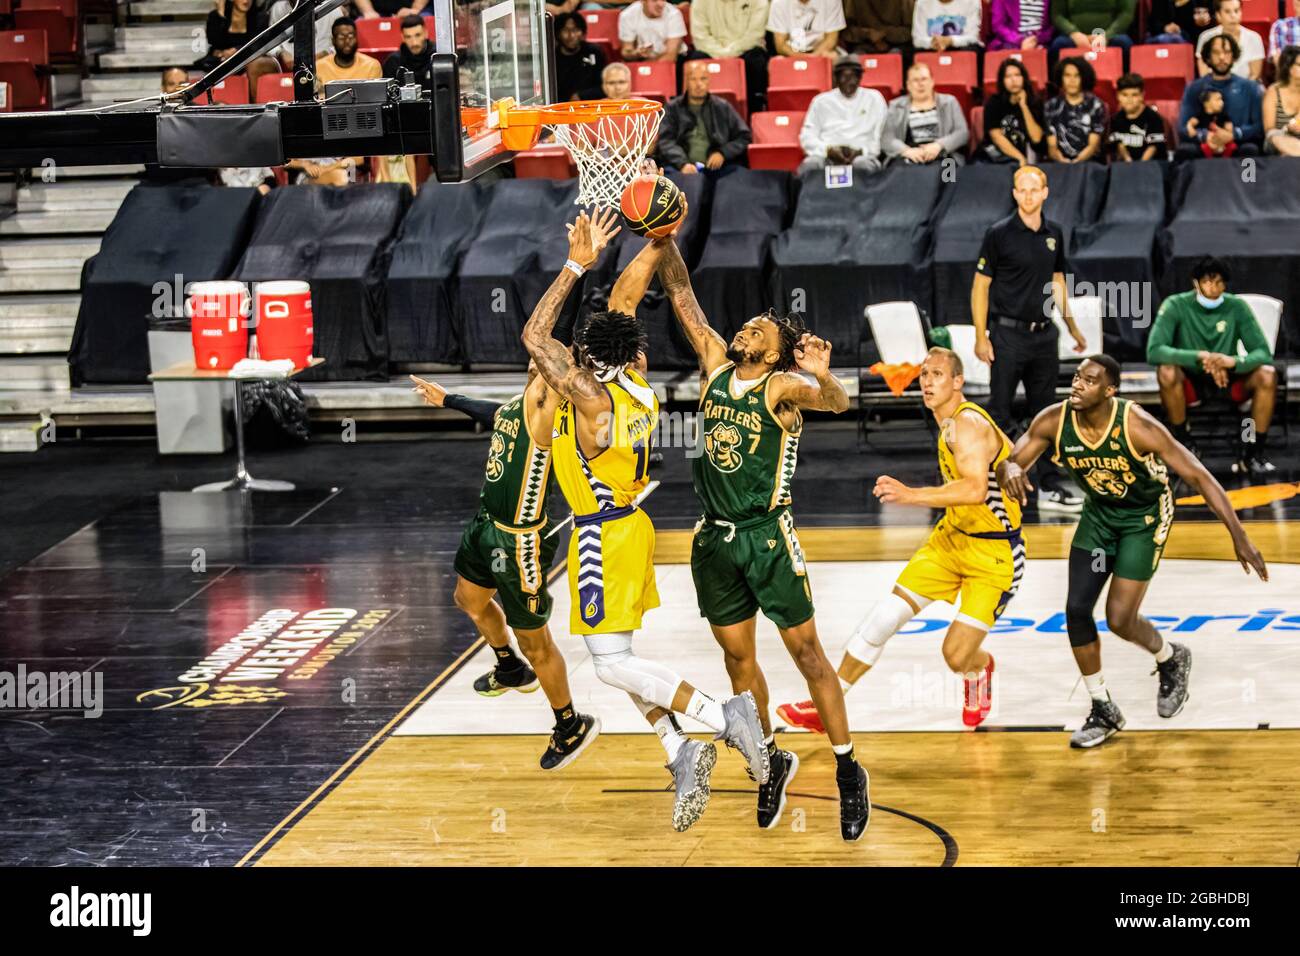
(1120, 456)
(746, 555)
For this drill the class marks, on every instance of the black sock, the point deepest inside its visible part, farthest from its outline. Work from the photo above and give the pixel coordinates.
(1180, 432)
(565, 717)
(507, 659)
(846, 765)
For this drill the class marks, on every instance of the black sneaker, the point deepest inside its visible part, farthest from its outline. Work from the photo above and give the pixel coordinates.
(1174, 674)
(855, 804)
(1064, 500)
(1104, 722)
(1251, 461)
(771, 795)
(497, 681)
(566, 748)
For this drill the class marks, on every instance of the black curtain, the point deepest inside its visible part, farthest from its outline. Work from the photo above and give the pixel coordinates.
(980, 197)
(340, 241)
(193, 231)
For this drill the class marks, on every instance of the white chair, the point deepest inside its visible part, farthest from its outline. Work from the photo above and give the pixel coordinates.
(1086, 311)
(898, 333)
(963, 343)
(1268, 313)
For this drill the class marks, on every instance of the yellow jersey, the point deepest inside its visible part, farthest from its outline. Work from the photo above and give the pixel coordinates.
(995, 514)
(613, 478)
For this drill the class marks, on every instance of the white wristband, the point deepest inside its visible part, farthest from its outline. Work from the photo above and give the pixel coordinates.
(576, 269)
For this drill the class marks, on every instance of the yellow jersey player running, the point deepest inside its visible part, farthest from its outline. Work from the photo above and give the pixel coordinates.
(600, 455)
(974, 553)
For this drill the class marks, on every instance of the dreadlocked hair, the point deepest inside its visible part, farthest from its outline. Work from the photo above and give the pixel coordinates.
(611, 338)
(791, 328)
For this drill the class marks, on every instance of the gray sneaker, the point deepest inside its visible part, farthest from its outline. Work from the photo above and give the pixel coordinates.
(1104, 722)
(744, 732)
(690, 773)
(1174, 674)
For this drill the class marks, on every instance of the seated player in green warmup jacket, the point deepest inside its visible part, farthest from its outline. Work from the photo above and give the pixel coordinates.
(1194, 345)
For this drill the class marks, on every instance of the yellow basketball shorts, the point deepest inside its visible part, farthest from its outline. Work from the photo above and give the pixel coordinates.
(612, 574)
(984, 573)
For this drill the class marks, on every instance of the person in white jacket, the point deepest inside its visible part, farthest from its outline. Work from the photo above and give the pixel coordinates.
(946, 24)
(842, 126)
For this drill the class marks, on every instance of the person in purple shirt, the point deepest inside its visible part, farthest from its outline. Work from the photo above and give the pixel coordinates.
(1020, 25)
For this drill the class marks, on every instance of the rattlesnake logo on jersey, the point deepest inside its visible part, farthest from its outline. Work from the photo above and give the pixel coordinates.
(721, 443)
(495, 469)
(1106, 482)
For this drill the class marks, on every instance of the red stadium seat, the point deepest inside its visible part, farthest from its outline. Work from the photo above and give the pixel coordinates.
(379, 36)
(548, 161)
(956, 73)
(27, 91)
(776, 140)
(1109, 64)
(976, 128)
(654, 79)
(1256, 10)
(69, 7)
(883, 72)
(727, 80)
(232, 90)
(986, 22)
(60, 32)
(1035, 62)
(602, 30)
(1290, 8)
(1166, 69)
(24, 46)
(275, 88)
(6, 98)
(792, 81)
(685, 8)
(1168, 110)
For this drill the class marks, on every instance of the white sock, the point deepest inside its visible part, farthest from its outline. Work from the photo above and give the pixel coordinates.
(769, 740)
(1166, 651)
(842, 749)
(707, 711)
(845, 686)
(1096, 685)
(672, 738)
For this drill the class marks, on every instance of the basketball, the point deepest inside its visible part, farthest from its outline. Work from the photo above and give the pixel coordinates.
(652, 206)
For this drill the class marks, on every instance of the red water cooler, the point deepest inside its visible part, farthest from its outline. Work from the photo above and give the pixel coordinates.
(284, 321)
(218, 313)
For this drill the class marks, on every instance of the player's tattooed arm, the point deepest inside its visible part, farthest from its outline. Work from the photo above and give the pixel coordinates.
(1013, 474)
(974, 446)
(710, 347)
(811, 355)
(635, 279)
(554, 359)
(1151, 437)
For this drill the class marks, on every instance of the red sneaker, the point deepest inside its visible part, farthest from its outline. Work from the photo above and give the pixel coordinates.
(986, 690)
(979, 696)
(803, 714)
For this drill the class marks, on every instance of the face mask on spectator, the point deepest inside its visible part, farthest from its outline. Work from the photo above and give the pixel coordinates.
(1209, 303)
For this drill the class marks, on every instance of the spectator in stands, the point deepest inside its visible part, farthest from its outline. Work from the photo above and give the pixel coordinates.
(946, 25)
(248, 176)
(1284, 33)
(923, 126)
(843, 126)
(1179, 21)
(876, 26)
(578, 64)
(174, 79)
(806, 27)
(369, 9)
(1076, 118)
(1195, 344)
(415, 53)
(1019, 25)
(231, 24)
(1250, 61)
(1013, 117)
(1281, 111)
(324, 171)
(1210, 117)
(1092, 23)
(616, 81)
(1137, 133)
(735, 28)
(700, 132)
(346, 63)
(651, 30)
(324, 24)
(1241, 100)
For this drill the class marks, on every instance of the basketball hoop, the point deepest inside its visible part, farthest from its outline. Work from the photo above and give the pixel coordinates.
(608, 139)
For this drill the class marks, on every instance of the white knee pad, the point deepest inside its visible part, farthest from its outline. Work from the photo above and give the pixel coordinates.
(617, 666)
(889, 614)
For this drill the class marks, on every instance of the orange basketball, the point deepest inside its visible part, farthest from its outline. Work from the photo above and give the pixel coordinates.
(652, 206)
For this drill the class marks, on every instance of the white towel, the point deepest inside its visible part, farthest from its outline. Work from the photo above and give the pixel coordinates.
(257, 368)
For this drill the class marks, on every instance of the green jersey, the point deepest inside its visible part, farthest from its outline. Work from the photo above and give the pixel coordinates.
(748, 458)
(1184, 328)
(517, 473)
(1111, 472)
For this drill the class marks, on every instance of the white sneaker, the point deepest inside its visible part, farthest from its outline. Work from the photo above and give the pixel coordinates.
(1057, 499)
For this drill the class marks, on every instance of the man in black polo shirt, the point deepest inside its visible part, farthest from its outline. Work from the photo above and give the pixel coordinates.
(1021, 269)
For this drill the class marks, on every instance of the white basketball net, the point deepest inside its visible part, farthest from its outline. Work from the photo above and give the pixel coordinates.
(608, 151)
